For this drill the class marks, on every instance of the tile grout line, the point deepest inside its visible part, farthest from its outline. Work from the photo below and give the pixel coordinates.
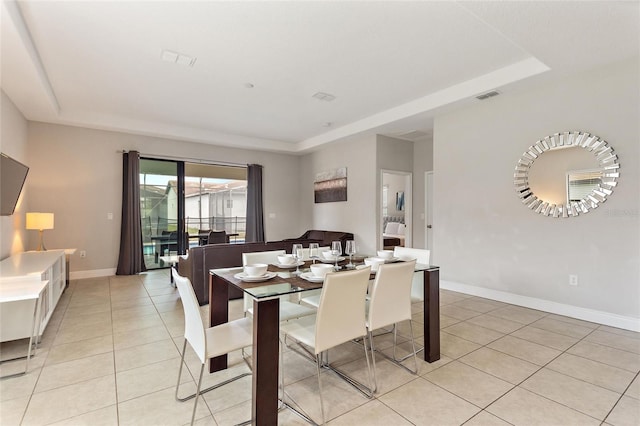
(575, 378)
(621, 396)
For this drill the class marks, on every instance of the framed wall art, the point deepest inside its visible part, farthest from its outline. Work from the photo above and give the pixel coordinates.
(330, 186)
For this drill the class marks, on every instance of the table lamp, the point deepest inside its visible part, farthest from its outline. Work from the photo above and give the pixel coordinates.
(40, 221)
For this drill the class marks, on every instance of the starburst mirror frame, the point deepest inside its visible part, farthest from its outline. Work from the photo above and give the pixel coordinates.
(607, 163)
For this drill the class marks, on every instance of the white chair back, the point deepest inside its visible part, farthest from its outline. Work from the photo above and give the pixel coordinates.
(390, 300)
(193, 327)
(422, 256)
(267, 257)
(341, 313)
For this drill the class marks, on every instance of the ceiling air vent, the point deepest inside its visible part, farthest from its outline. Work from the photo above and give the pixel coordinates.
(178, 58)
(488, 95)
(323, 96)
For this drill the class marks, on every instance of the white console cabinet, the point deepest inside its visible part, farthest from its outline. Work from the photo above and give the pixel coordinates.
(28, 269)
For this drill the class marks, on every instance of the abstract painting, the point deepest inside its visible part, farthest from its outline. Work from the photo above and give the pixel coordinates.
(330, 186)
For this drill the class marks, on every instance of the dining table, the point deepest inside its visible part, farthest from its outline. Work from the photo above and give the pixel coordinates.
(266, 322)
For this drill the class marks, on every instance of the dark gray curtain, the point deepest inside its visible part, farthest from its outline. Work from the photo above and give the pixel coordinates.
(255, 219)
(131, 258)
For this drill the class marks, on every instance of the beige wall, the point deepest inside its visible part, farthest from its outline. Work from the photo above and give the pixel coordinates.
(13, 142)
(77, 174)
(358, 213)
(422, 162)
(486, 238)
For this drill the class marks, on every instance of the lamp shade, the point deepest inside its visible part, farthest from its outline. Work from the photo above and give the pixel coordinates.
(39, 221)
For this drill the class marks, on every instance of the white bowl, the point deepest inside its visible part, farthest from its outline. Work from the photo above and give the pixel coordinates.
(385, 254)
(286, 259)
(321, 269)
(328, 255)
(374, 262)
(255, 269)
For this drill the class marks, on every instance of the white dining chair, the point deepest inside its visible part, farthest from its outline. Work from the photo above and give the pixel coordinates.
(209, 342)
(421, 256)
(288, 309)
(340, 319)
(389, 304)
(312, 297)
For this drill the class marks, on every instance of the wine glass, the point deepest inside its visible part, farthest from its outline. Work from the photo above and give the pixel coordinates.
(298, 254)
(350, 249)
(336, 250)
(314, 251)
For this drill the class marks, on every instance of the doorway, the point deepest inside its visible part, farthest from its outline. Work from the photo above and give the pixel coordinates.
(396, 207)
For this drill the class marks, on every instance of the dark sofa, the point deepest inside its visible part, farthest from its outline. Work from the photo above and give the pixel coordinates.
(201, 259)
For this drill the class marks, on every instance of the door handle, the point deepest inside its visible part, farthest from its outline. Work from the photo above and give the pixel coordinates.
(429, 226)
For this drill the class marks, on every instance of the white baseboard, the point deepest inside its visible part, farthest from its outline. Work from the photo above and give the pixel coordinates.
(591, 315)
(94, 273)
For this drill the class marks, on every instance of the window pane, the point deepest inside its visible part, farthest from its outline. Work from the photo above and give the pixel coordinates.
(216, 199)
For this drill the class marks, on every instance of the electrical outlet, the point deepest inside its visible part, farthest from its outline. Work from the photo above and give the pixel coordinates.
(83, 253)
(573, 280)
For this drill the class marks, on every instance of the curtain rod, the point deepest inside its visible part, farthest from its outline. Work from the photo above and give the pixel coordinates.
(187, 159)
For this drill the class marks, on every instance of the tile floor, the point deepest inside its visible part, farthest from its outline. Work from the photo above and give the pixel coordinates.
(110, 357)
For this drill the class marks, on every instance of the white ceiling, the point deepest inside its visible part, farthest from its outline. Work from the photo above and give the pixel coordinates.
(392, 66)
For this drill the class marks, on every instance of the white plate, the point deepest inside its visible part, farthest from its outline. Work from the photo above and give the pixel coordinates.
(288, 265)
(242, 276)
(323, 260)
(310, 277)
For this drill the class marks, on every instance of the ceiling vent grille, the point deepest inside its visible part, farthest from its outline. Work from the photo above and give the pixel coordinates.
(178, 58)
(324, 96)
(488, 95)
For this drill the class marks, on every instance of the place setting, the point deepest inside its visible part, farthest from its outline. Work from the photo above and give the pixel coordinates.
(255, 273)
(317, 272)
(288, 261)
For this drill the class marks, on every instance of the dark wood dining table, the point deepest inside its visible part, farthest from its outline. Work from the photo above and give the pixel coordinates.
(266, 326)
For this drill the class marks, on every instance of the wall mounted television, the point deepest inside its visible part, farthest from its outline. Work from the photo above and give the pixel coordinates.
(12, 177)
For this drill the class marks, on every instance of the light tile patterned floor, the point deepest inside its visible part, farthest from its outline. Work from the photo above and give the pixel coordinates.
(110, 357)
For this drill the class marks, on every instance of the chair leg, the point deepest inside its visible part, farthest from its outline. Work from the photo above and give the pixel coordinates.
(318, 362)
(195, 404)
(413, 349)
(184, 348)
(283, 403)
(210, 388)
(413, 346)
(373, 358)
(373, 384)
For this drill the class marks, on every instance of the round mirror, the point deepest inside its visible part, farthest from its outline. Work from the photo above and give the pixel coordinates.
(566, 174)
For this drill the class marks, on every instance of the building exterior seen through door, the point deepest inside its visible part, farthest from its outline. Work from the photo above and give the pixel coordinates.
(180, 202)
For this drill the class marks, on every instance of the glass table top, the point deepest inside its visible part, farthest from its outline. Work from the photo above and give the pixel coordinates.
(281, 282)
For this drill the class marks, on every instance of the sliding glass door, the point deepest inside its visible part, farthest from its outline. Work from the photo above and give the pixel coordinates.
(161, 204)
(180, 202)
